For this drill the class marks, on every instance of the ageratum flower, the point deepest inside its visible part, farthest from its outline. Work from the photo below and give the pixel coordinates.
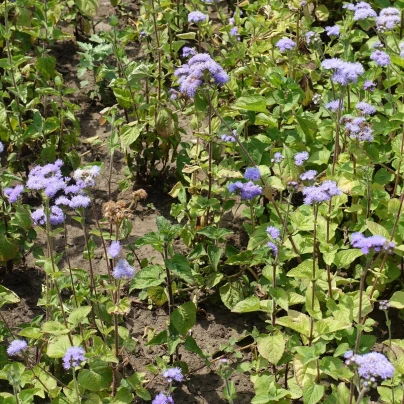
(187, 51)
(73, 357)
(380, 58)
(17, 346)
(285, 44)
(234, 32)
(123, 270)
(252, 173)
(85, 177)
(333, 31)
(384, 305)
(228, 138)
(246, 190)
(344, 72)
(321, 193)
(363, 10)
(199, 69)
(56, 216)
(316, 98)
(80, 201)
(308, 175)
(388, 19)
(14, 193)
(311, 37)
(334, 105)
(1, 147)
(196, 17)
(278, 157)
(273, 232)
(301, 157)
(365, 108)
(358, 128)
(273, 247)
(173, 374)
(114, 249)
(162, 398)
(369, 85)
(366, 244)
(401, 46)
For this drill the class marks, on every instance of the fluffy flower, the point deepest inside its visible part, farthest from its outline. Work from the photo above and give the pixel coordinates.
(369, 85)
(246, 190)
(234, 32)
(308, 175)
(363, 10)
(173, 374)
(285, 44)
(333, 31)
(13, 193)
(228, 138)
(334, 105)
(344, 72)
(114, 249)
(278, 157)
(85, 177)
(197, 16)
(273, 232)
(161, 398)
(187, 51)
(384, 305)
(252, 173)
(320, 193)
(73, 357)
(16, 346)
(80, 201)
(311, 37)
(366, 244)
(366, 108)
(123, 270)
(56, 216)
(273, 248)
(193, 74)
(380, 58)
(1, 147)
(358, 128)
(301, 157)
(388, 19)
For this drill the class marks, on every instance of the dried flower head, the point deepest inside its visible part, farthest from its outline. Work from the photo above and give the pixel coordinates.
(115, 212)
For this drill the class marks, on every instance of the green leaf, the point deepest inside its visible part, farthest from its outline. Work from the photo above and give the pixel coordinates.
(312, 392)
(307, 126)
(129, 133)
(184, 318)
(57, 347)
(55, 328)
(322, 14)
(187, 35)
(191, 345)
(7, 296)
(271, 347)
(179, 266)
(147, 277)
(397, 300)
(93, 381)
(214, 254)
(344, 258)
(231, 294)
(31, 332)
(77, 316)
(46, 66)
(158, 295)
(88, 8)
(248, 305)
(296, 321)
(123, 396)
(302, 271)
(377, 229)
(256, 103)
(8, 248)
(22, 218)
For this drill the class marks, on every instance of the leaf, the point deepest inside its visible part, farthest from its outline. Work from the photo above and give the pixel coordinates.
(77, 316)
(397, 300)
(302, 271)
(57, 347)
(271, 347)
(248, 305)
(296, 321)
(7, 296)
(377, 229)
(179, 266)
(231, 294)
(191, 345)
(256, 103)
(312, 392)
(123, 396)
(22, 218)
(307, 126)
(46, 66)
(214, 254)
(158, 295)
(184, 318)
(129, 133)
(344, 258)
(93, 381)
(88, 8)
(8, 248)
(147, 277)
(55, 328)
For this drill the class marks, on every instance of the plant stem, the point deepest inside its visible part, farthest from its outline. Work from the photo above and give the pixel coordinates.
(210, 155)
(337, 129)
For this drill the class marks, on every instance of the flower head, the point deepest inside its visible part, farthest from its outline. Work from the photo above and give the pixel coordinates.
(369, 85)
(365, 108)
(197, 16)
(334, 105)
(321, 193)
(85, 177)
(301, 157)
(187, 51)
(80, 201)
(1, 147)
(73, 357)
(344, 72)
(114, 249)
(333, 31)
(366, 244)
(273, 232)
(234, 32)
(388, 19)
(311, 36)
(14, 193)
(285, 44)
(228, 138)
(56, 216)
(273, 247)
(252, 173)
(17, 346)
(384, 305)
(380, 58)
(246, 190)
(123, 270)
(308, 175)
(358, 128)
(278, 157)
(173, 374)
(161, 398)
(363, 10)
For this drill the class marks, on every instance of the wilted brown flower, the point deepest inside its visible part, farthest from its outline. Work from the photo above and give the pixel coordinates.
(115, 211)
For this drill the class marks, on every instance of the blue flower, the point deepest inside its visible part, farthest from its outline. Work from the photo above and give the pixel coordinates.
(173, 374)
(301, 157)
(308, 175)
(321, 193)
(366, 244)
(17, 346)
(123, 270)
(273, 248)
(56, 216)
(333, 31)
(273, 232)
(162, 399)
(380, 58)
(252, 173)
(285, 44)
(388, 19)
(246, 190)
(73, 357)
(365, 108)
(278, 157)
(14, 193)
(362, 11)
(1, 147)
(187, 51)
(197, 16)
(334, 105)
(369, 85)
(114, 249)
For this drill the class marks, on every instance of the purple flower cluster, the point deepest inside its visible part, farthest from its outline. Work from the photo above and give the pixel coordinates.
(369, 85)
(333, 31)
(365, 108)
(234, 32)
(47, 178)
(273, 247)
(366, 244)
(1, 147)
(193, 74)
(380, 58)
(370, 366)
(301, 157)
(384, 305)
(114, 249)
(14, 193)
(358, 128)
(362, 11)
(17, 346)
(76, 201)
(334, 105)
(85, 177)
(309, 175)
(196, 17)
(246, 190)
(273, 232)
(321, 193)
(252, 173)
(312, 37)
(187, 51)
(285, 44)
(56, 216)
(278, 158)
(161, 398)
(228, 138)
(123, 270)
(401, 46)
(344, 72)
(173, 374)
(73, 357)
(388, 19)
